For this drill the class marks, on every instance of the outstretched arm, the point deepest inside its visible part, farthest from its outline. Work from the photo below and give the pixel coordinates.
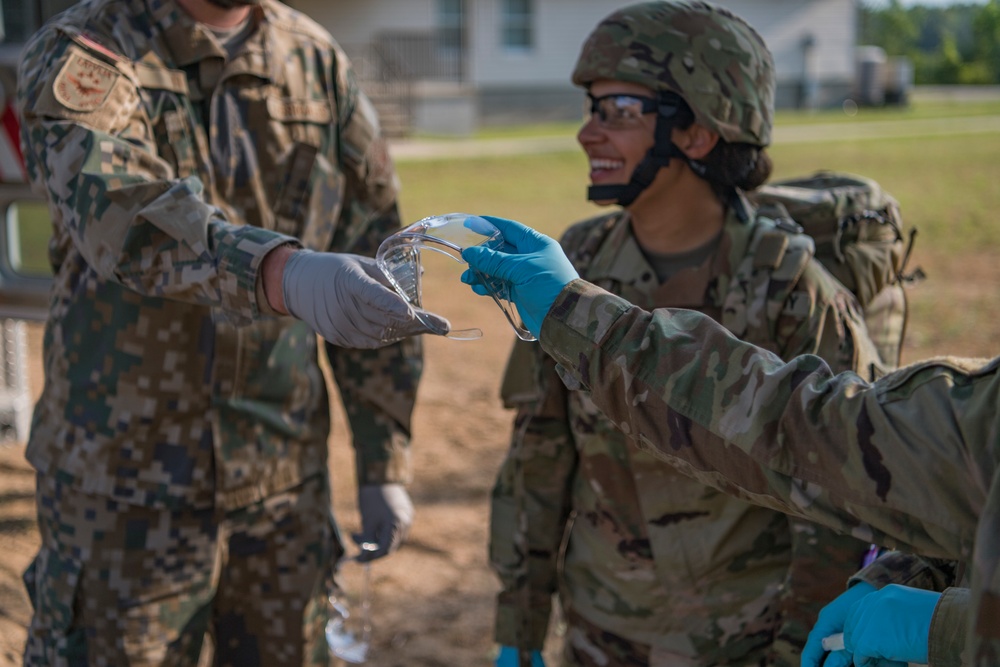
(910, 460)
(857, 457)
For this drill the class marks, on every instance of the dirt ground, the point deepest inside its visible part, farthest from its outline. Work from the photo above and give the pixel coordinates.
(433, 600)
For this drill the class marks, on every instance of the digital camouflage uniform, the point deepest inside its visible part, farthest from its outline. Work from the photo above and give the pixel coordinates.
(657, 568)
(911, 461)
(183, 426)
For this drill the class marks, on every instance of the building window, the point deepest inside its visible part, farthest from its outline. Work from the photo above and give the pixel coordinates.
(451, 21)
(19, 19)
(516, 31)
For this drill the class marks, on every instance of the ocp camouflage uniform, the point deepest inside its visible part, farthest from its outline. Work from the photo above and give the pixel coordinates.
(188, 420)
(911, 461)
(656, 568)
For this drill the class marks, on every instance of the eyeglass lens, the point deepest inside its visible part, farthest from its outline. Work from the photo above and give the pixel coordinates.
(618, 112)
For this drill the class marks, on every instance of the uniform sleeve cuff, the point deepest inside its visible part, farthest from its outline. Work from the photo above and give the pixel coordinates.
(392, 465)
(512, 629)
(577, 324)
(241, 253)
(949, 625)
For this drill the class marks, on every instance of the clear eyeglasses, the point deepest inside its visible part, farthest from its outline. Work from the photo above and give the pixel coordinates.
(402, 259)
(349, 634)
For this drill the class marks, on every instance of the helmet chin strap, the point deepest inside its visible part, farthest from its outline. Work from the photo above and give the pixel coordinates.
(655, 159)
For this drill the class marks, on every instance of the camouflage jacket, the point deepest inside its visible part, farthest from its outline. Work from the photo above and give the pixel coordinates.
(170, 172)
(910, 461)
(648, 553)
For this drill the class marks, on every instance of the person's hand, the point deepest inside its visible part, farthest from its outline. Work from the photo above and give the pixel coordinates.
(891, 626)
(508, 657)
(534, 266)
(386, 517)
(831, 621)
(345, 300)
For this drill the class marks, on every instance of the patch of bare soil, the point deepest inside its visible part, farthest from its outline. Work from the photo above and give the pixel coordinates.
(432, 603)
(433, 600)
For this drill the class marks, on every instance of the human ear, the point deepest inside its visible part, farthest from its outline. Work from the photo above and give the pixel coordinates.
(696, 141)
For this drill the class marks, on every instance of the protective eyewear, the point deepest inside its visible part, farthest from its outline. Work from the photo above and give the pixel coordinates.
(406, 256)
(348, 634)
(620, 111)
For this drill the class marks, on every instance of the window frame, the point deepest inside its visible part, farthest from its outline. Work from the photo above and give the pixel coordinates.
(522, 21)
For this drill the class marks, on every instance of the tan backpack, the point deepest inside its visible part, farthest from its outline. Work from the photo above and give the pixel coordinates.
(855, 231)
(847, 222)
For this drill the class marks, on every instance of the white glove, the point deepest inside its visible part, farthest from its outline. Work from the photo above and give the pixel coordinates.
(345, 299)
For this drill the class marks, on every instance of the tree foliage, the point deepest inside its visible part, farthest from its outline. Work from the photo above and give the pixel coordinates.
(957, 43)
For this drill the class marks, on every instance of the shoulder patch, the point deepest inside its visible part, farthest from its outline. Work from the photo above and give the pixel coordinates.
(83, 83)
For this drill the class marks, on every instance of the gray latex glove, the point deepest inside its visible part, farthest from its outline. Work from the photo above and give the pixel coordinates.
(386, 517)
(345, 299)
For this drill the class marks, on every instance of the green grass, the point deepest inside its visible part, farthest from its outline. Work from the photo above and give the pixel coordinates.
(550, 129)
(546, 191)
(31, 220)
(918, 110)
(947, 186)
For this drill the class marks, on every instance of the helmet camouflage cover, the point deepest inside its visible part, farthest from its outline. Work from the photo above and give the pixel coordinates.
(700, 51)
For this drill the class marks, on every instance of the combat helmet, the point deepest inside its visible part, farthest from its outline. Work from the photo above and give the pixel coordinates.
(689, 49)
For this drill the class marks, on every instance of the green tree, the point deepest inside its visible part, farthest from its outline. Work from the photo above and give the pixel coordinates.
(958, 43)
(899, 31)
(986, 39)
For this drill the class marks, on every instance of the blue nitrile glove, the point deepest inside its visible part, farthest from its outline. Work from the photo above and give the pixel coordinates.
(386, 517)
(893, 623)
(830, 622)
(508, 658)
(534, 267)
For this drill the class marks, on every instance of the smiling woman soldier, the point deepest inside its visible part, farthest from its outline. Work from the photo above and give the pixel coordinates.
(652, 567)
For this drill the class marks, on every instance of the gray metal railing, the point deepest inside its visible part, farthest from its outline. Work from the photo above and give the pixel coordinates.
(422, 56)
(388, 67)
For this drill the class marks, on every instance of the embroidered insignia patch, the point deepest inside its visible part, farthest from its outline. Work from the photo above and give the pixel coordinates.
(84, 82)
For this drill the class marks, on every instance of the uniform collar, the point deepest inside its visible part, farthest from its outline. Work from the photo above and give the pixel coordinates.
(189, 42)
(620, 259)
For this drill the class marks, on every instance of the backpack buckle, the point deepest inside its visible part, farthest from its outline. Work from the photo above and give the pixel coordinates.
(788, 225)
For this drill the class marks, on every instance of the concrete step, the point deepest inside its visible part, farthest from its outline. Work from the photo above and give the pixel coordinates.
(391, 107)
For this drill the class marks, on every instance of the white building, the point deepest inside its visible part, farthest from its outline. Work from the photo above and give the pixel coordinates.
(464, 63)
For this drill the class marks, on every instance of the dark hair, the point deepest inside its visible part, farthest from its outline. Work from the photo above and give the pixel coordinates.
(738, 165)
(728, 165)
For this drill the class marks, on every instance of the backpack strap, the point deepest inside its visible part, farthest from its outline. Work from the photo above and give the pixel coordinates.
(762, 287)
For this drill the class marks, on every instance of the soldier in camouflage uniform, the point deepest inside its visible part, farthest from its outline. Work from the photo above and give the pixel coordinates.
(911, 461)
(201, 160)
(652, 567)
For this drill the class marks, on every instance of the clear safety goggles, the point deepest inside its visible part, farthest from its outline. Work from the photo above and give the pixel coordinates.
(623, 111)
(620, 111)
(412, 261)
